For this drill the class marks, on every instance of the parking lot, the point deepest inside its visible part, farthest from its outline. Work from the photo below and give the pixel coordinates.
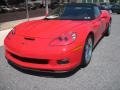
(103, 72)
(5, 17)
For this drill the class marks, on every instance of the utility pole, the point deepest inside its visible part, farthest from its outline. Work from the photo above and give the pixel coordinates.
(6, 1)
(46, 8)
(27, 11)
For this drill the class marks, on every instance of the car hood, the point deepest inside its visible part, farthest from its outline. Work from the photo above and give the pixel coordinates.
(47, 28)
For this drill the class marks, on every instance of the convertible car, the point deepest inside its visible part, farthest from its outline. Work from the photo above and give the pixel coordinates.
(61, 41)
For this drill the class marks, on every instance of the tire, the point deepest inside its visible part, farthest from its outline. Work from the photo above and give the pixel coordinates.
(107, 32)
(87, 53)
(118, 12)
(110, 11)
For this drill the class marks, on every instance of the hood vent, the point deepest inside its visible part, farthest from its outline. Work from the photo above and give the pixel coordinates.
(29, 38)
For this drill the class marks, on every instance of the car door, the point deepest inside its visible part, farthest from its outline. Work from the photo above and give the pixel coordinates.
(104, 21)
(97, 24)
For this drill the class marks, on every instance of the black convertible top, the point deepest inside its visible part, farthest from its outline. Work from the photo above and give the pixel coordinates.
(82, 4)
(75, 11)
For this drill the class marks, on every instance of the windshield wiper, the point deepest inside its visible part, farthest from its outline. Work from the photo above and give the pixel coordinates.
(51, 17)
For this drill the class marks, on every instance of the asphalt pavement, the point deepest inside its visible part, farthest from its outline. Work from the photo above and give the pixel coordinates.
(103, 72)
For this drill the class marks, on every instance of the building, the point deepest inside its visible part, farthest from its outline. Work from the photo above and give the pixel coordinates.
(12, 2)
(2, 2)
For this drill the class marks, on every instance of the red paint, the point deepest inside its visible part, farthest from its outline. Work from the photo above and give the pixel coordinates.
(41, 33)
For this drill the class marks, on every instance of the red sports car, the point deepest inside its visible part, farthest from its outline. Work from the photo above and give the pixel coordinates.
(62, 41)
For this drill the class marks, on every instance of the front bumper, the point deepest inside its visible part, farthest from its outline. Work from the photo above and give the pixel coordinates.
(39, 59)
(74, 61)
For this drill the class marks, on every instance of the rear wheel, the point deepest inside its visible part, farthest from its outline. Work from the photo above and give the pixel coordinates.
(87, 53)
(107, 33)
(118, 12)
(110, 11)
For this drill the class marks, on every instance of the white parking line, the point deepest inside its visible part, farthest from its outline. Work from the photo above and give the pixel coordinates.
(3, 34)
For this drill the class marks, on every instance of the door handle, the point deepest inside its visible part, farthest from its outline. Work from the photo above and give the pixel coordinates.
(96, 25)
(99, 19)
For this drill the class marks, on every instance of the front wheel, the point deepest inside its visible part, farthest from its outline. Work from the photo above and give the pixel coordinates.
(87, 53)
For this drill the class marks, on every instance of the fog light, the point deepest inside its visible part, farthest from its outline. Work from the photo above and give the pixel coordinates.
(63, 61)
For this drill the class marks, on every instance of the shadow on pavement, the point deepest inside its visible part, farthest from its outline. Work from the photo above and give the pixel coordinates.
(98, 42)
(1, 51)
(45, 74)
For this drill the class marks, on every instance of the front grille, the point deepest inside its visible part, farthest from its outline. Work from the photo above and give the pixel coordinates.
(31, 60)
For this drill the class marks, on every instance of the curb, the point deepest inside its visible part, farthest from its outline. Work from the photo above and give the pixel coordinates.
(3, 34)
(11, 24)
(7, 26)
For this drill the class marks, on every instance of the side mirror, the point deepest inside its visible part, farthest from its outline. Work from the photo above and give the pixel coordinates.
(104, 14)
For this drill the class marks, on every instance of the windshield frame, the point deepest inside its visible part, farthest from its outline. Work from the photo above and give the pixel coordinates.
(61, 11)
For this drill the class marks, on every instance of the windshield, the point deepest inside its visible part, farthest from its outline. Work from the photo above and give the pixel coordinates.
(72, 12)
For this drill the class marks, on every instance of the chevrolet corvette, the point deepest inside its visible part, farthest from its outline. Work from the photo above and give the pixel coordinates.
(62, 41)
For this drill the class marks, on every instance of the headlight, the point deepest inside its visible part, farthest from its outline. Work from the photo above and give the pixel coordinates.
(11, 33)
(65, 39)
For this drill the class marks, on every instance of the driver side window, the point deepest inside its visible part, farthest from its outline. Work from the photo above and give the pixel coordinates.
(96, 11)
